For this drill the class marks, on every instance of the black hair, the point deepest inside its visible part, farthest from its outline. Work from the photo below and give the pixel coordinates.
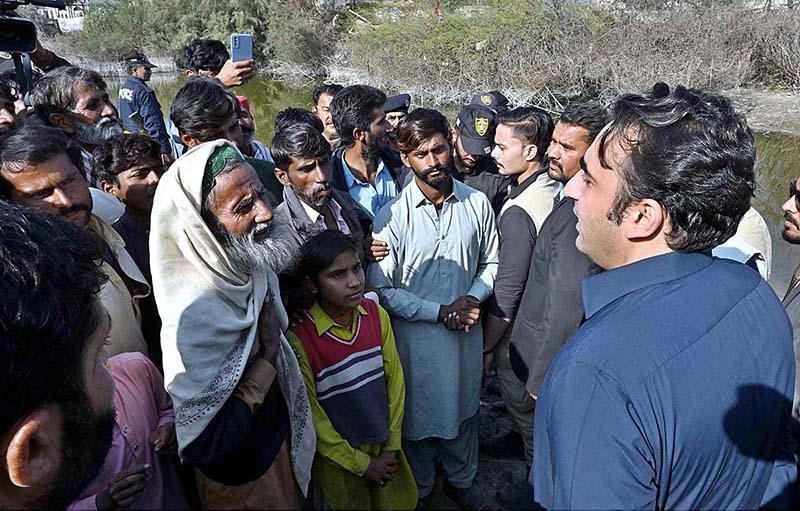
(298, 140)
(55, 91)
(590, 116)
(201, 107)
(530, 124)
(122, 152)
(205, 55)
(353, 108)
(326, 88)
(48, 290)
(32, 144)
(690, 151)
(292, 116)
(7, 89)
(319, 252)
(420, 125)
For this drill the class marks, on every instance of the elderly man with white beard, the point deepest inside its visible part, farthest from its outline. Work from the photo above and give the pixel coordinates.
(242, 413)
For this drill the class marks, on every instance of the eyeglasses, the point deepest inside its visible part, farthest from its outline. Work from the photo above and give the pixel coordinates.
(794, 192)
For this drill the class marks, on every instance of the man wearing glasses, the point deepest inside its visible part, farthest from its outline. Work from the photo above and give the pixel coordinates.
(791, 233)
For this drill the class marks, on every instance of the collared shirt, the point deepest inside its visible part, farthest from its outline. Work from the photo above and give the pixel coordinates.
(142, 405)
(369, 198)
(434, 258)
(675, 393)
(317, 218)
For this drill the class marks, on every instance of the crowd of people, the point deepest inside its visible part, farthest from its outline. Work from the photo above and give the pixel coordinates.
(190, 317)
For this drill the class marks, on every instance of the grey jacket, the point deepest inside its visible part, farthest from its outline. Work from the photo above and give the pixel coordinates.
(551, 309)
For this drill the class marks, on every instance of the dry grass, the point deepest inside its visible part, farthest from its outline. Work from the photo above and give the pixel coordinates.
(547, 53)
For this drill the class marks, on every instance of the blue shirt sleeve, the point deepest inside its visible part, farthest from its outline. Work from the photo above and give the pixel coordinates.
(590, 452)
(150, 110)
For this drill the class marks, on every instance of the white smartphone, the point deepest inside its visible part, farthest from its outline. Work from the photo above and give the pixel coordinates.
(241, 47)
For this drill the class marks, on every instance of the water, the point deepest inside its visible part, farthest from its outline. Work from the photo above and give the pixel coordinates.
(778, 155)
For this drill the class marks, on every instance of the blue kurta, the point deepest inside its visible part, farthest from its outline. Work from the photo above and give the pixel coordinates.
(675, 393)
(434, 259)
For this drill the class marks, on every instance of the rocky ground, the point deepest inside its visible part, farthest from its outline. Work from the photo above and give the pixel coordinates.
(493, 474)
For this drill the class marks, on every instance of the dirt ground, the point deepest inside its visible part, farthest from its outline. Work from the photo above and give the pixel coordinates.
(493, 474)
(770, 111)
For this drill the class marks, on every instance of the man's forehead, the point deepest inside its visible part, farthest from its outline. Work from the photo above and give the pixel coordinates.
(41, 174)
(431, 142)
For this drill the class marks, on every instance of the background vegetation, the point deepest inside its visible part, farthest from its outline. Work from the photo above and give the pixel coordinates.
(542, 51)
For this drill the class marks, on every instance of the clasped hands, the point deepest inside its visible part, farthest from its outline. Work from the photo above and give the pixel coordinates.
(463, 314)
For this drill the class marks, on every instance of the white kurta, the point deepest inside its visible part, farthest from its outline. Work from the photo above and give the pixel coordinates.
(434, 259)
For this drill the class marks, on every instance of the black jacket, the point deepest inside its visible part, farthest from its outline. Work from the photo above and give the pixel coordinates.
(551, 309)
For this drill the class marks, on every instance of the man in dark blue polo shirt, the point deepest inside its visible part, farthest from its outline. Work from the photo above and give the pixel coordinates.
(677, 391)
(138, 107)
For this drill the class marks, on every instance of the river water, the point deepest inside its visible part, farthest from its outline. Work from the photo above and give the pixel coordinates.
(778, 155)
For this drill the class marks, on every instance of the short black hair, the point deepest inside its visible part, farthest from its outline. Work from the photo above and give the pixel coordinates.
(353, 108)
(321, 250)
(7, 89)
(292, 116)
(205, 55)
(590, 116)
(420, 125)
(201, 107)
(48, 288)
(55, 91)
(300, 140)
(530, 124)
(326, 88)
(31, 144)
(690, 151)
(121, 152)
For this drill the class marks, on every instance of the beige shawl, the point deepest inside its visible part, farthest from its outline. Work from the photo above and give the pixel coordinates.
(209, 314)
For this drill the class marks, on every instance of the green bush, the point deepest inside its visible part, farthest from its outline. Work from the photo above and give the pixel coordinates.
(281, 29)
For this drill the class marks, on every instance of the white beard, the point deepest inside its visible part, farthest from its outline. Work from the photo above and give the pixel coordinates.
(277, 252)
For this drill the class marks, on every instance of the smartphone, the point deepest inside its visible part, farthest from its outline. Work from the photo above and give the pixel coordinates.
(241, 47)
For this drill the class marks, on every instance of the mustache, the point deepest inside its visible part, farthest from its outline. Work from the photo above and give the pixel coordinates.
(791, 219)
(556, 163)
(75, 209)
(321, 187)
(437, 168)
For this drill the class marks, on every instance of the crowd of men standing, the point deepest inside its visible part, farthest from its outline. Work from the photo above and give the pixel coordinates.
(192, 318)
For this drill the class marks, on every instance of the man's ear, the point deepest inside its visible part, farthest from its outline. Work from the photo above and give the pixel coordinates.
(111, 189)
(309, 284)
(531, 152)
(189, 73)
(282, 176)
(34, 452)
(359, 135)
(63, 122)
(188, 141)
(406, 161)
(314, 109)
(644, 219)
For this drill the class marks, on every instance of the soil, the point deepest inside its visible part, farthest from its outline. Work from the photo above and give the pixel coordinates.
(494, 474)
(770, 110)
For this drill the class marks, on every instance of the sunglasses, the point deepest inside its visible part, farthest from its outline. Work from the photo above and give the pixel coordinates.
(793, 192)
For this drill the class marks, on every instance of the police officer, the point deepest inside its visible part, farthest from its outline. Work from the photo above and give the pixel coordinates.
(395, 108)
(138, 106)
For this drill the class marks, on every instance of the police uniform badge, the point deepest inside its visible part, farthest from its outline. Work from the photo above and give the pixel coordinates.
(487, 100)
(481, 126)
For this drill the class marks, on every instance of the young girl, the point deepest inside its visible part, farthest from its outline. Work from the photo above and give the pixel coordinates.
(355, 383)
